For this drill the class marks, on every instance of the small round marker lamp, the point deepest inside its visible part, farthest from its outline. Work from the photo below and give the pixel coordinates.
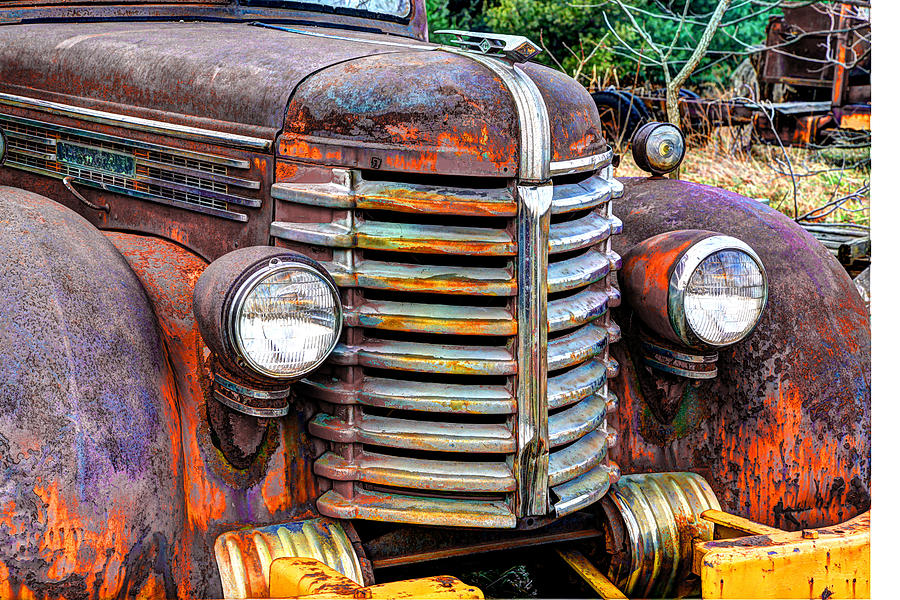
(658, 148)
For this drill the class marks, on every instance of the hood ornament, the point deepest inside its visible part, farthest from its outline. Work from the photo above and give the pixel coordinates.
(515, 48)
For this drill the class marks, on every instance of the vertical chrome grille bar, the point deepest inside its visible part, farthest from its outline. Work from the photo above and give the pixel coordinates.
(533, 448)
(535, 197)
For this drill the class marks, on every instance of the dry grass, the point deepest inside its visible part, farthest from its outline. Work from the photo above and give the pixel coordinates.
(761, 173)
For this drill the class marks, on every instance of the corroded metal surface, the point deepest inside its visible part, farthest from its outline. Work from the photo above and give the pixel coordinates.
(458, 119)
(783, 433)
(91, 489)
(245, 556)
(94, 65)
(229, 468)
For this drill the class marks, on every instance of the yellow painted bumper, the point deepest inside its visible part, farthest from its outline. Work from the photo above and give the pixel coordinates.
(309, 578)
(832, 562)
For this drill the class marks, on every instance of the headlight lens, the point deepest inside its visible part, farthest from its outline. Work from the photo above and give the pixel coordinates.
(286, 319)
(717, 292)
(724, 297)
(658, 147)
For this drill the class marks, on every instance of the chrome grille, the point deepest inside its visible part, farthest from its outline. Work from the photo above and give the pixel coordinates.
(190, 180)
(418, 401)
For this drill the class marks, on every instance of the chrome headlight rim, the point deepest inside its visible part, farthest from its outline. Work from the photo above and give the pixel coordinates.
(681, 277)
(238, 298)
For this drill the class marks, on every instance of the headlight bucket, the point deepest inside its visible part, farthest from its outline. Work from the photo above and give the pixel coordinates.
(269, 314)
(696, 288)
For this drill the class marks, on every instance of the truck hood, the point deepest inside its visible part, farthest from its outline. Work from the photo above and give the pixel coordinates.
(430, 112)
(336, 97)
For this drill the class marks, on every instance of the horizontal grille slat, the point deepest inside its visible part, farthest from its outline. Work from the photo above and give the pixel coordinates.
(428, 358)
(416, 435)
(572, 197)
(582, 491)
(432, 318)
(422, 278)
(401, 197)
(401, 237)
(417, 510)
(578, 457)
(582, 270)
(576, 310)
(571, 386)
(576, 347)
(589, 230)
(416, 395)
(435, 475)
(577, 421)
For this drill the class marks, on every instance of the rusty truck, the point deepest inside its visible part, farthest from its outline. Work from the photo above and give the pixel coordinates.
(292, 295)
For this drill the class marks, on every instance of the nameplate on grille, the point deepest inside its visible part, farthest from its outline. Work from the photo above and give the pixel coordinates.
(95, 159)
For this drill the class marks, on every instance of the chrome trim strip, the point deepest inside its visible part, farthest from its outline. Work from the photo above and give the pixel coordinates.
(585, 163)
(535, 197)
(198, 156)
(32, 138)
(250, 392)
(533, 448)
(263, 413)
(50, 156)
(159, 127)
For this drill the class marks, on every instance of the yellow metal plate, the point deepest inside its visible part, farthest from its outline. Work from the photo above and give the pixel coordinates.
(832, 562)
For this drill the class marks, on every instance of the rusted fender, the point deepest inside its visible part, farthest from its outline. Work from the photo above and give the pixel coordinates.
(91, 475)
(273, 482)
(783, 433)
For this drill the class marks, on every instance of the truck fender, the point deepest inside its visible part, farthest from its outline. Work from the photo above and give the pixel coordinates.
(783, 432)
(277, 485)
(90, 479)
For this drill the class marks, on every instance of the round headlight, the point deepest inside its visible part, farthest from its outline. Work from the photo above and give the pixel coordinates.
(717, 292)
(285, 320)
(268, 313)
(658, 148)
